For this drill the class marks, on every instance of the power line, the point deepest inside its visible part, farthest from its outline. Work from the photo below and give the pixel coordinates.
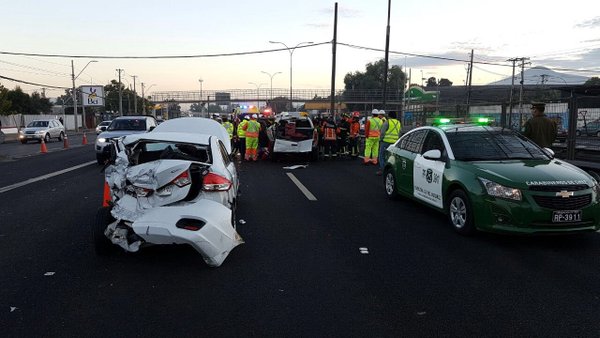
(32, 68)
(156, 56)
(31, 83)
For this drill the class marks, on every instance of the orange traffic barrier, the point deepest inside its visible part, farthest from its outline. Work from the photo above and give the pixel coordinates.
(106, 198)
(66, 142)
(84, 140)
(43, 148)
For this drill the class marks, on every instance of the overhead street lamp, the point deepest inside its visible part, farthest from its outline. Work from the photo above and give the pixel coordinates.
(291, 50)
(257, 94)
(74, 93)
(271, 76)
(144, 98)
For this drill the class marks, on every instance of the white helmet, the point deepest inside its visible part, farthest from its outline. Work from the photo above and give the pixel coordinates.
(254, 116)
(374, 112)
(382, 112)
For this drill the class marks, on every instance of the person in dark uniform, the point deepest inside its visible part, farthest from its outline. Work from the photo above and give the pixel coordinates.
(539, 128)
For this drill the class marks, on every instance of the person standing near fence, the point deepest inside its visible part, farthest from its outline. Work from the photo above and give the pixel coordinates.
(372, 133)
(390, 133)
(539, 128)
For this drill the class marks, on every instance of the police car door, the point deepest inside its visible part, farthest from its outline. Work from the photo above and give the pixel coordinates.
(428, 174)
(410, 146)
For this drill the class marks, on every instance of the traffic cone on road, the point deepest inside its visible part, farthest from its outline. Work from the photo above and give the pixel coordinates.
(43, 148)
(84, 140)
(106, 198)
(65, 142)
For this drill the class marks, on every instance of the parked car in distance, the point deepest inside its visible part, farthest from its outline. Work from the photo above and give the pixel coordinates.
(589, 129)
(174, 185)
(39, 130)
(102, 126)
(121, 126)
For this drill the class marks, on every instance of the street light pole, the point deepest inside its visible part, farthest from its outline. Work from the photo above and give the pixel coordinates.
(271, 76)
(200, 101)
(144, 99)
(134, 96)
(74, 93)
(291, 50)
(257, 94)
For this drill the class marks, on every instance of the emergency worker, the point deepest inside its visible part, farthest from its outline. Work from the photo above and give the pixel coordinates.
(343, 131)
(372, 133)
(354, 133)
(329, 129)
(241, 133)
(252, 129)
(228, 126)
(390, 133)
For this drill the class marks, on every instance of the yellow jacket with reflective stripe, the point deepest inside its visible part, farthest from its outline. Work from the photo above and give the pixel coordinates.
(229, 127)
(241, 132)
(393, 131)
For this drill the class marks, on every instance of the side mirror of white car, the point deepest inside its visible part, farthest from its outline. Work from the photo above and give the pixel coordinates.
(549, 152)
(433, 154)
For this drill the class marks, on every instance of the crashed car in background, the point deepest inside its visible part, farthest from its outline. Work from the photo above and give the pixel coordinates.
(293, 133)
(174, 185)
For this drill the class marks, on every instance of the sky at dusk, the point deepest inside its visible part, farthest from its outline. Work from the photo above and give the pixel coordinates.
(561, 36)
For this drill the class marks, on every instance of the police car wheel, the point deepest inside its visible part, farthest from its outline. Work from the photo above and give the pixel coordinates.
(389, 182)
(460, 213)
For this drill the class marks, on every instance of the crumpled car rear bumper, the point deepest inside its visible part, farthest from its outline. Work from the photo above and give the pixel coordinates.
(214, 240)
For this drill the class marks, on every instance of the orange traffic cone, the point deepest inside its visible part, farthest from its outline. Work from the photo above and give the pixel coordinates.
(84, 140)
(65, 142)
(43, 148)
(106, 198)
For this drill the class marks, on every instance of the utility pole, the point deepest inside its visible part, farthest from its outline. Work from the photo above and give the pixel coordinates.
(333, 58)
(143, 100)
(387, 53)
(134, 96)
(470, 81)
(521, 91)
(120, 93)
(512, 85)
(74, 93)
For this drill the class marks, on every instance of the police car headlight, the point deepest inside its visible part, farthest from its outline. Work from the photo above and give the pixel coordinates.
(498, 190)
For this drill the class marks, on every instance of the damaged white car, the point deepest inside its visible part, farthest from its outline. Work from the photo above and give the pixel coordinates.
(174, 185)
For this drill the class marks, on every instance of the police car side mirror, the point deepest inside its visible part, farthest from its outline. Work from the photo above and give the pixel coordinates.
(549, 152)
(434, 155)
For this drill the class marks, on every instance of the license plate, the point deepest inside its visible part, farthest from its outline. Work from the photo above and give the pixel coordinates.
(566, 216)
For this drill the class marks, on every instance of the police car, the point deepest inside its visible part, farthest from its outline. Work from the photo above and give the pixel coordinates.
(491, 179)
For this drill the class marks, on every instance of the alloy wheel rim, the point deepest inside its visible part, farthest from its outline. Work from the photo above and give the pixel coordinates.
(458, 212)
(389, 184)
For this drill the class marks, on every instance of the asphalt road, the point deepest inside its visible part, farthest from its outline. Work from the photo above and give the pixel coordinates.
(301, 272)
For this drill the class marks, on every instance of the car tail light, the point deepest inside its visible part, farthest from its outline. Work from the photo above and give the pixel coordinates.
(214, 182)
(190, 224)
(183, 179)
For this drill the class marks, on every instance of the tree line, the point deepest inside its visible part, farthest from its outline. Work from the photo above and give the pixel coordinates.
(18, 102)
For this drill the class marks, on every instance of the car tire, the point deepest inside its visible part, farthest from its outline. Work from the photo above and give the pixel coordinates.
(46, 138)
(60, 136)
(460, 213)
(102, 245)
(389, 182)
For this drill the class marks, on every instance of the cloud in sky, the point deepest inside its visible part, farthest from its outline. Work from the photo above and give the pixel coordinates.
(591, 23)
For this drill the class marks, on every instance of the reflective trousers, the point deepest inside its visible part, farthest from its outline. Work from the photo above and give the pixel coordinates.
(251, 149)
(371, 150)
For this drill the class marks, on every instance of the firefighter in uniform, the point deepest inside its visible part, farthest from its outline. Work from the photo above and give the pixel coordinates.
(329, 137)
(372, 133)
(354, 133)
(390, 133)
(252, 129)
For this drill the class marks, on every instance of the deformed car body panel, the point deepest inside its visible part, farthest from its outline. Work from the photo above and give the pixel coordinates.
(150, 208)
(285, 146)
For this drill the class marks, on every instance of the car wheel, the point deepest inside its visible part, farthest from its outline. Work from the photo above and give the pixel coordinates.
(102, 245)
(460, 213)
(60, 136)
(389, 182)
(46, 138)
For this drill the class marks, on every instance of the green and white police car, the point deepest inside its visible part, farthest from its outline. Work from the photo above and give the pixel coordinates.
(492, 179)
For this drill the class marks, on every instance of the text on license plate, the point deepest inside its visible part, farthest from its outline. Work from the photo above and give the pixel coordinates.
(566, 216)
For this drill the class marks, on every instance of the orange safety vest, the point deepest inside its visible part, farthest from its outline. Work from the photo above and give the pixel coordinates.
(375, 125)
(252, 128)
(354, 129)
(329, 132)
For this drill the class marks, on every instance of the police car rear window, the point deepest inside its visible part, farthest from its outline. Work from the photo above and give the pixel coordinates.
(492, 145)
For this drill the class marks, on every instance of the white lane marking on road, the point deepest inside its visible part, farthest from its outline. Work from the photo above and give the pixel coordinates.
(43, 177)
(363, 250)
(302, 188)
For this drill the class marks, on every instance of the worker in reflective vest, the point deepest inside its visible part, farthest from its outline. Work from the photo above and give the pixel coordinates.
(354, 133)
(241, 134)
(390, 133)
(329, 129)
(372, 132)
(252, 128)
(228, 126)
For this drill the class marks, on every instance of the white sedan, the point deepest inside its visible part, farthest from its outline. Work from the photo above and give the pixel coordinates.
(174, 185)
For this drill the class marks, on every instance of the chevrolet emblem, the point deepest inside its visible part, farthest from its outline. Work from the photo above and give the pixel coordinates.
(564, 194)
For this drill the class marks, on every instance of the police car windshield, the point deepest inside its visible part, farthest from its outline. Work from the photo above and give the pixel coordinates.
(490, 145)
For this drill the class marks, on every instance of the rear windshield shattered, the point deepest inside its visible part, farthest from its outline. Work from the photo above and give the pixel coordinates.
(492, 145)
(151, 151)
